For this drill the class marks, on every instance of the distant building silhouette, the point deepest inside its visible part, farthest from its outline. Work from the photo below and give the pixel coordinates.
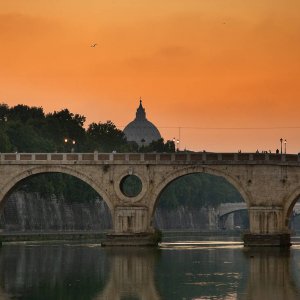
(140, 130)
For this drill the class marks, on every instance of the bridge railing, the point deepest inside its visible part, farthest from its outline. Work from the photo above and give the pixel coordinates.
(153, 157)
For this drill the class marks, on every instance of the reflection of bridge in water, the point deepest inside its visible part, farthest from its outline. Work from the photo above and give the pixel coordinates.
(87, 272)
(131, 275)
(70, 271)
(270, 275)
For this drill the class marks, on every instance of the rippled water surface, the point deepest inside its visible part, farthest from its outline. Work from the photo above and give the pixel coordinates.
(185, 269)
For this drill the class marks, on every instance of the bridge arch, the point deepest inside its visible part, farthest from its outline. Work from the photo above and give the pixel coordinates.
(193, 170)
(16, 179)
(289, 204)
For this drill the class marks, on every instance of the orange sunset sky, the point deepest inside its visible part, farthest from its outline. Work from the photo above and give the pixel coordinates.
(197, 64)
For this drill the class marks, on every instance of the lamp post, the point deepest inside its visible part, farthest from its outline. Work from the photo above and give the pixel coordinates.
(176, 144)
(281, 145)
(285, 141)
(66, 142)
(73, 147)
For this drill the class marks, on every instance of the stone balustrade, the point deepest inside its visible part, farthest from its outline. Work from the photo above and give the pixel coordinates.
(153, 158)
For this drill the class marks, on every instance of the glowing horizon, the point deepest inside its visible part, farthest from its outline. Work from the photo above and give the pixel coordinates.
(196, 64)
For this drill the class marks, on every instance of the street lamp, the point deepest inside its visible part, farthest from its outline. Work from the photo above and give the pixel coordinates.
(66, 143)
(73, 148)
(69, 141)
(176, 144)
(285, 141)
(281, 145)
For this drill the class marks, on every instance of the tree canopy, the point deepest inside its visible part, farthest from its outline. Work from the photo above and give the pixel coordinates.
(29, 129)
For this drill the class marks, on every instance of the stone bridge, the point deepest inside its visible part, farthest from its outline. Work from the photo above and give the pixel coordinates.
(228, 208)
(268, 183)
(222, 217)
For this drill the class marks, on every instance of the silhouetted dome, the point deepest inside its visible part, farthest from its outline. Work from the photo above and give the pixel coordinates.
(140, 130)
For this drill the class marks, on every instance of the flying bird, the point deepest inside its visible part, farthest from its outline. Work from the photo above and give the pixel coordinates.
(94, 45)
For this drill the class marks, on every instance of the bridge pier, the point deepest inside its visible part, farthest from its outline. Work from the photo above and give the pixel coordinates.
(131, 228)
(266, 228)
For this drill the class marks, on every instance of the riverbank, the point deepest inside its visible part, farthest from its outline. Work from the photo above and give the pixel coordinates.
(101, 235)
(51, 236)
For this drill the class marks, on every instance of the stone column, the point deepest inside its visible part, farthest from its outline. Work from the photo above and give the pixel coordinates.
(266, 227)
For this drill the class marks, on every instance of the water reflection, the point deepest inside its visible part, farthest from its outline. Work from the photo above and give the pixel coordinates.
(70, 271)
(271, 275)
(47, 271)
(203, 272)
(131, 274)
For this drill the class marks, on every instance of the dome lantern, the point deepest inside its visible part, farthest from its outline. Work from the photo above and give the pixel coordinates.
(140, 112)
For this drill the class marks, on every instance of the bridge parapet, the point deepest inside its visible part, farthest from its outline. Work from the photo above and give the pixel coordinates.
(151, 158)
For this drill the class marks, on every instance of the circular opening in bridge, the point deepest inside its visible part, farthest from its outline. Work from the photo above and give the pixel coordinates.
(131, 186)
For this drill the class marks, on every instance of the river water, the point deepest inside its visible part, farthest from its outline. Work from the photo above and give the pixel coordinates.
(186, 269)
